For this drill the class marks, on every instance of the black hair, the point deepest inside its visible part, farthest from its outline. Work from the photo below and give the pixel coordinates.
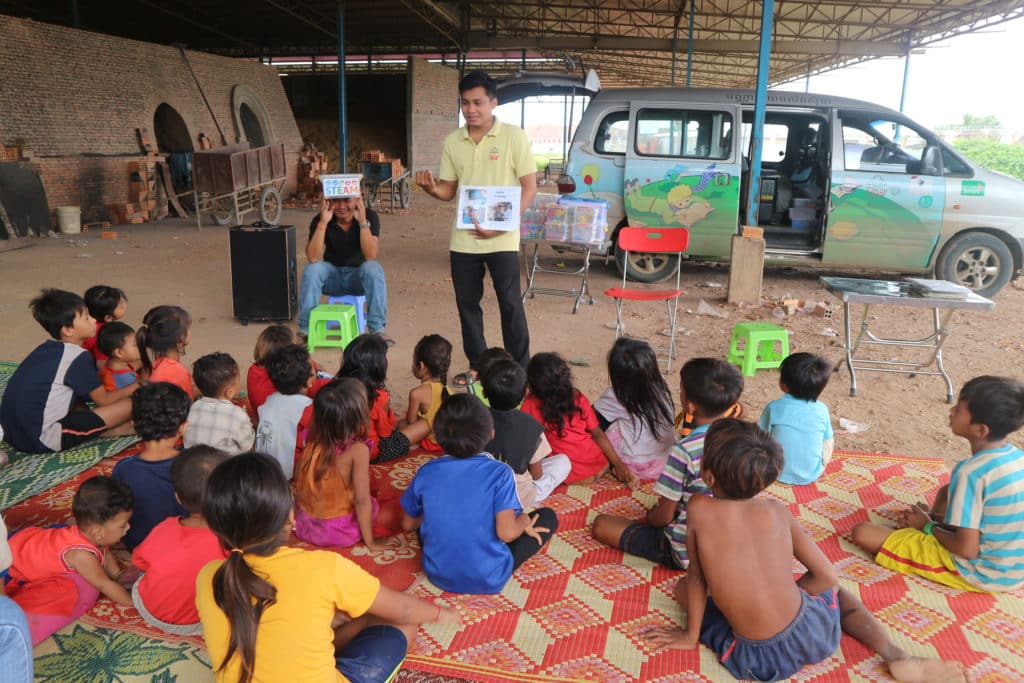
(246, 503)
(189, 471)
(806, 375)
(103, 300)
(741, 458)
(112, 336)
(289, 369)
(639, 386)
(341, 414)
(488, 358)
(213, 372)
(479, 79)
(435, 352)
(711, 384)
(56, 309)
(550, 380)
(505, 384)
(366, 359)
(996, 402)
(463, 426)
(99, 499)
(159, 409)
(163, 329)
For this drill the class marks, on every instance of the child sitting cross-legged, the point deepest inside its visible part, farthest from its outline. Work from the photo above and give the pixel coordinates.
(59, 572)
(472, 526)
(972, 537)
(44, 406)
(214, 419)
(177, 548)
(798, 420)
(117, 343)
(159, 412)
(739, 594)
(518, 438)
(709, 387)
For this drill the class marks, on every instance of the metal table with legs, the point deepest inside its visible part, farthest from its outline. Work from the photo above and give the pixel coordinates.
(888, 293)
(534, 263)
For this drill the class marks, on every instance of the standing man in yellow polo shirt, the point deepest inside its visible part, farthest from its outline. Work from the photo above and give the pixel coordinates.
(491, 153)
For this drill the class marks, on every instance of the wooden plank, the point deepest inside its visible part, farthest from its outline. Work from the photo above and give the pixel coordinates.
(172, 199)
(746, 270)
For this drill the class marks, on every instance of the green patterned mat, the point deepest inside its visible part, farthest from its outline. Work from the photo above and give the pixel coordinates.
(28, 474)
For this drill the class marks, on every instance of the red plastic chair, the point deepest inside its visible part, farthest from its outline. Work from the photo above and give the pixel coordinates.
(651, 241)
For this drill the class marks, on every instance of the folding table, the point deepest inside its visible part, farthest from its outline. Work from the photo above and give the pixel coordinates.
(534, 262)
(888, 293)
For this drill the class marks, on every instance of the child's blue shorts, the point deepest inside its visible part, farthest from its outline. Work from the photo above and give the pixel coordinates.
(811, 637)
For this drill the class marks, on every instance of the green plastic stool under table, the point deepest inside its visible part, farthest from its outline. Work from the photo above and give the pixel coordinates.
(758, 352)
(319, 334)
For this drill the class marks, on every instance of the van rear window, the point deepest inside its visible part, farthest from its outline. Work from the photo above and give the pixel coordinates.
(613, 133)
(694, 134)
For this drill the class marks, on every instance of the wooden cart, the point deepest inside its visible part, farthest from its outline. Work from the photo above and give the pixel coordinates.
(379, 182)
(233, 180)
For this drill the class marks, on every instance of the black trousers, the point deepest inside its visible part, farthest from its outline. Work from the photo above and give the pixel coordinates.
(468, 282)
(525, 547)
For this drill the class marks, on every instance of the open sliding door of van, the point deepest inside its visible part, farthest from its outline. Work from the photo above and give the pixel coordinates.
(887, 193)
(683, 170)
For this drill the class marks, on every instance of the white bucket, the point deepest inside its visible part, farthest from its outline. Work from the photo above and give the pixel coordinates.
(69, 219)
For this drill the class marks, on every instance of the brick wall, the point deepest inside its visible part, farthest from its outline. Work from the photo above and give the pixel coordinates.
(433, 111)
(76, 98)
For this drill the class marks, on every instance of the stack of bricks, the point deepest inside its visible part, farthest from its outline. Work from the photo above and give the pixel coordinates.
(312, 164)
(19, 151)
(378, 157)
(142, 193)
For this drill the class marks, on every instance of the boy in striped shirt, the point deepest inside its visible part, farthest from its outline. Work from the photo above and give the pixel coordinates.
(972, 537)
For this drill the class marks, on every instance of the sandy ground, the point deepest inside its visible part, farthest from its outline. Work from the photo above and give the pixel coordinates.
(170, 262)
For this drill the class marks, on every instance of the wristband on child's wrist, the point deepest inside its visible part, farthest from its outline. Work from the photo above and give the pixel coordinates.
(927, 528)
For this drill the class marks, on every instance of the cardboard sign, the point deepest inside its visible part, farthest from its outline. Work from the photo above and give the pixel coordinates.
(342, 185)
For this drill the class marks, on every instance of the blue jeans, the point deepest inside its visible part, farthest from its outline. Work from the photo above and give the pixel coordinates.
(322, 278)
(15, 643)
(373, 655)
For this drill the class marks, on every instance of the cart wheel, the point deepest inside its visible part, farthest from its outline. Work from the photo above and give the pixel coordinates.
(223, 211)
(372, 192)
(270, 205)
(403, 193)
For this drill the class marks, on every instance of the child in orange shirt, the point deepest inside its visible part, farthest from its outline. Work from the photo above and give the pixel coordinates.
(117, 342)
(58, 573)
(164, 333)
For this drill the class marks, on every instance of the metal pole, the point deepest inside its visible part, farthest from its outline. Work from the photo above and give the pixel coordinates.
(675, 43)
(522, 102)
(903, 92)
(689, 46)
(807, 82)
(342, 95)
(761, 94)
(565, 127)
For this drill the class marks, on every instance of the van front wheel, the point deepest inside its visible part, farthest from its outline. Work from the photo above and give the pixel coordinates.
(645, 267)
(977, 260)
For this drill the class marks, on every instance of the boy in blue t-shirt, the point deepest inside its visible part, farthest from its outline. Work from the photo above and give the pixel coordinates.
(160, 411)
(44, 407)
(972, 537)
(799, 421)
(472, 527)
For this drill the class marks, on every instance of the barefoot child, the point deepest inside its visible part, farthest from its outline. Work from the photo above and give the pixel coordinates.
(708, 388)
(177, 548)
(972, 538)
(430, 362)
(274, 613)
(761, 624)
(59, 572)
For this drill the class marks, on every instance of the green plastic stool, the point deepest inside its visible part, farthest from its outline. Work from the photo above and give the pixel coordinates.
(320, 335)
(758, 352)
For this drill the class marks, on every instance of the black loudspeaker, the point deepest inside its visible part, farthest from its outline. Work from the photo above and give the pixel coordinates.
(263, 273)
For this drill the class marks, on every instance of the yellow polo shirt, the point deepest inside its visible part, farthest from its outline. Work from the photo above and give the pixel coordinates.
(294, 641)
(502, 157)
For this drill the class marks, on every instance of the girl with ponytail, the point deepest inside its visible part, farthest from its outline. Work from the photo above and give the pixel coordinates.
(162, 337)
(271, 613)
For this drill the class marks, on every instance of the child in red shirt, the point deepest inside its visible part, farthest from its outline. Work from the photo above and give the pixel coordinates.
(106, 304)
(58, 573)
(570, 424)
(366, 359)
(258, 386)
(177, 548)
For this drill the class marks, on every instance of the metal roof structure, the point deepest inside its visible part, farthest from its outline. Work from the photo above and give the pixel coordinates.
(628, 42)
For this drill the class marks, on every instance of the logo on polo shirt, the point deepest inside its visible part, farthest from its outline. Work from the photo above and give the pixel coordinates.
(493, 155)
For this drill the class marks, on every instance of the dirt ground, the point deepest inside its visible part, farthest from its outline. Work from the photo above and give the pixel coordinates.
(171, 263)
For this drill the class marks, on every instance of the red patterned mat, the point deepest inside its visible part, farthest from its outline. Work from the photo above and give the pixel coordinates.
(574, 612)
